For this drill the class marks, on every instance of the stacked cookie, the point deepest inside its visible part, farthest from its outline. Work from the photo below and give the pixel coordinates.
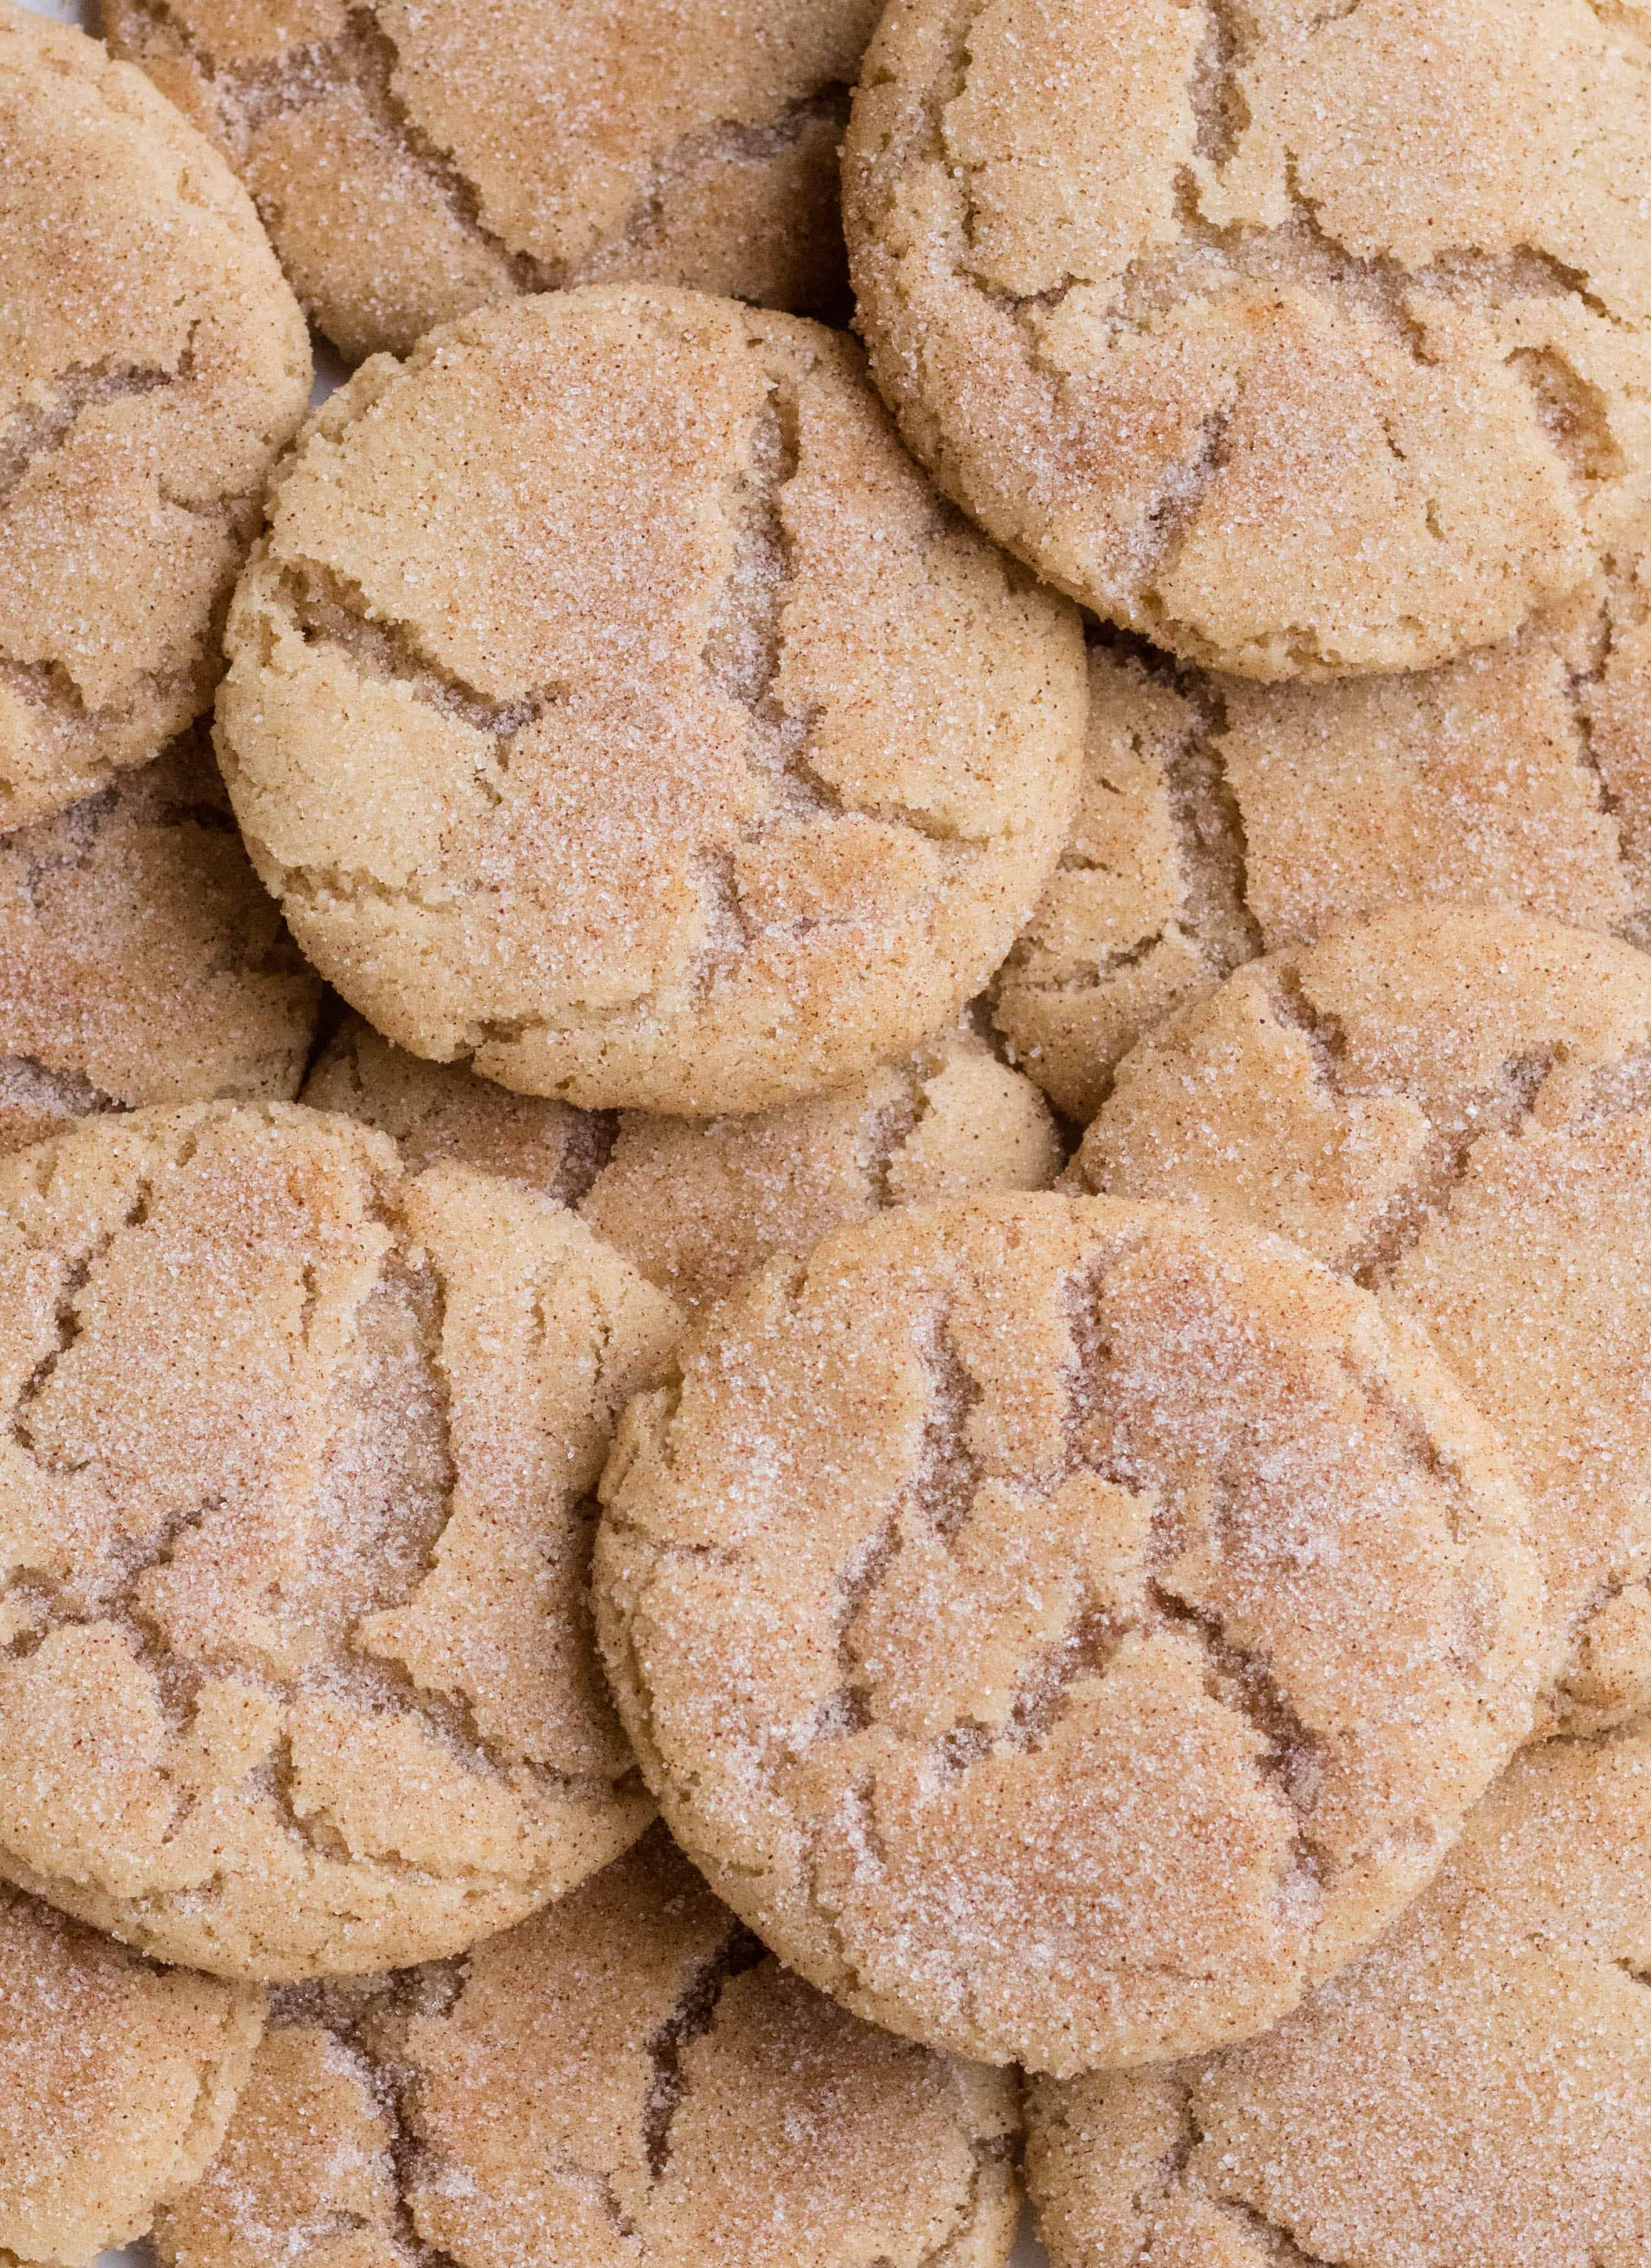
(822, 1278)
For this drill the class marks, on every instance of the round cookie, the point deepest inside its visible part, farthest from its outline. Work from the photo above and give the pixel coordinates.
(625, 2082)
(1453, 1107)
(1304, 341)
(413, 163)
(140, 963)
(1220, 819)
(614, 705)
(297, 1675)
(117, 2080)
(1475, 2092)
(1065, 1630)
(695, 1206)
(153, 363)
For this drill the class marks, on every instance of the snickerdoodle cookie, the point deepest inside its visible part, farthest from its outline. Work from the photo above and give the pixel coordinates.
(414, 161)
(116, 2083)
(152, 365)
(698, 1204)
(625, 2081)
(1304, 340)
(1475, 2093)
(1453, 1108)
(139, 960)
(295, 1508)
(613, 704)
(1220, 819)
(1065, 1630)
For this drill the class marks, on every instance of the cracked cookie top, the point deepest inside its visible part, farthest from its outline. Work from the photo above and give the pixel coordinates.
(414, 159)
(614, 704)
(697, 1205)
(1304, 337)
(1064, 1629)
(1220, 819)
(1476, 2091)
(116, 2083)
(139, 961)
(625, 2081)
(296, 1496)
(1453, 1109)
(152, 365)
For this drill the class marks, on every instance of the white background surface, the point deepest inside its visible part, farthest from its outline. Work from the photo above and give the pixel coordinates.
(1028, 2252)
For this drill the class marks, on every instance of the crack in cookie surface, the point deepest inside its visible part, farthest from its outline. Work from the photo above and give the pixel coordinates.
(692, 2019)
(331, 611)
(36, 429)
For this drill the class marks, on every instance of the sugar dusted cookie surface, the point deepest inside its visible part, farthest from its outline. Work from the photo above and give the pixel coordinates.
(116, 2082)
(297, 1506)
(1451, 1107)
(140, 963)
(1304, 341)
(1476, 2091)
(696, 1206)
(413, 163)
(1064, 1631)
(152, 365)
(1220, 819)
(625, 2082)
(1148, 905)
(435, 1112)
(613, 704)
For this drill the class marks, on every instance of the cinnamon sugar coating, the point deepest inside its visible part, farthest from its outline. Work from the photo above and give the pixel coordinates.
(1302, 339)
(695, 1206)
(1064, 1631)
(413, 163)
(295, 1668)
(117, 2080)
(153, 363)
(1475, 2092)
(140, 961)
(1451, 1107)
(625, 2082)
(613, 705)
(1220, 819)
